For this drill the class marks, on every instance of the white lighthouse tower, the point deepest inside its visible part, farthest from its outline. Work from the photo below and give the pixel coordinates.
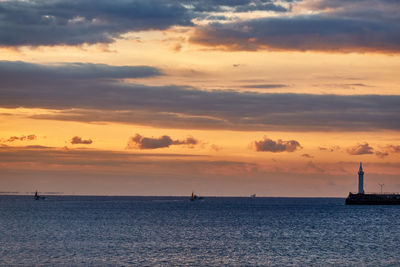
(361, 180)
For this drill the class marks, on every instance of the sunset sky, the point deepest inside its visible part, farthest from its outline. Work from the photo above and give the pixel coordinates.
(219, 97)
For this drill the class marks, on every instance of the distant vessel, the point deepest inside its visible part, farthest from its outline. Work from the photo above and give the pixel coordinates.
(253, 195)
(361, 198)
(194, 197)
(37, 196)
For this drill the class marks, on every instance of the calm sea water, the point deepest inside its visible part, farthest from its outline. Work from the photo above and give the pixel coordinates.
(172, 231)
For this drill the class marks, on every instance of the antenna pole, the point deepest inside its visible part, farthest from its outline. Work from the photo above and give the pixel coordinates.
(381, 185)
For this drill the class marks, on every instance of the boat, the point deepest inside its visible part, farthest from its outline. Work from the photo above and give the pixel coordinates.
(362, 198)
(37, 196)
(194, 197)
(253, 196)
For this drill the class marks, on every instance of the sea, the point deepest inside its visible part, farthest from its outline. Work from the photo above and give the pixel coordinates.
(214, 231)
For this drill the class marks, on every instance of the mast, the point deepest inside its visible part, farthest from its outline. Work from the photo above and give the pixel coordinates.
(361, 180)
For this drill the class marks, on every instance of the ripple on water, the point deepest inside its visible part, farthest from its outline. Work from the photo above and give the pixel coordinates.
(217, 231)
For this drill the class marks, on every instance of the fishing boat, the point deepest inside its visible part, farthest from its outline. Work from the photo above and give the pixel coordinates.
(194, 197)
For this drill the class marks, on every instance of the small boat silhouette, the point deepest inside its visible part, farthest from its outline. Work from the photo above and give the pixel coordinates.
(194, 197)
(37, 196)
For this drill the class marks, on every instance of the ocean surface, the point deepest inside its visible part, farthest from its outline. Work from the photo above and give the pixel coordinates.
(173, 231)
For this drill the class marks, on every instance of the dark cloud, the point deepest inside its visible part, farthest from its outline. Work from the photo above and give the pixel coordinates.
(181, 108)
(78, 140)
(355, 8)
(55, 74)
(218, 18)
(141, 142)
(237, 5)
(339, 25)
(276, 146)
(261, 7)
(264, 86)
(303, 33)
(29, 137)
(111, 100)
(86, 21)
(360, 149)
(307, 156)
(36, 22)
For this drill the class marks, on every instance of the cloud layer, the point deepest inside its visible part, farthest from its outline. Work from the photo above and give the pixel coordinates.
(55, 74)
(84, 21)
(95, 99)
(303, 33)
(319, 25)
(63, 22)
(345, 26)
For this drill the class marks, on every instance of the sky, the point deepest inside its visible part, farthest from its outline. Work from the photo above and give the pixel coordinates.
(219, 97)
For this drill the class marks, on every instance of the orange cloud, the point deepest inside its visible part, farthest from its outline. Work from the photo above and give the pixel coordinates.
(360, 149)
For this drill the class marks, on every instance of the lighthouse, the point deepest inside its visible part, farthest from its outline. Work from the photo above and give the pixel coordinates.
(361, 180)
(362, 198)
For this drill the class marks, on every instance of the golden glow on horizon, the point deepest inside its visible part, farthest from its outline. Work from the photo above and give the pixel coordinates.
(221, 143)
